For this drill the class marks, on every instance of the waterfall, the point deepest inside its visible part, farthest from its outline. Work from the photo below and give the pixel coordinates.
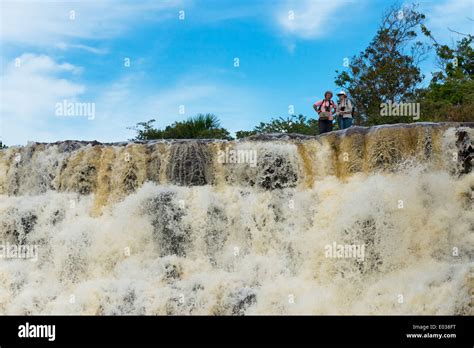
(372, 220)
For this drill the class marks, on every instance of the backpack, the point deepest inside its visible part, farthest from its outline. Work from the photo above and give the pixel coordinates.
(331, 104)
(354, 110)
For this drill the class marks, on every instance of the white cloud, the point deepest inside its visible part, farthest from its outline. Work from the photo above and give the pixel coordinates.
(40, 23)
(64, 46)
(310, 19)
(29, 94)
(452, 14)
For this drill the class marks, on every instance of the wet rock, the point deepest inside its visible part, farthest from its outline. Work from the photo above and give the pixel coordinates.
(277, 172)
(173, 272)
(466, 151)
(217, 231)
(169, 232)
(244, 299)
(190, 164)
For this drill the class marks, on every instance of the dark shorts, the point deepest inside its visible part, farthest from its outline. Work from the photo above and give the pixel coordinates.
(324, 126)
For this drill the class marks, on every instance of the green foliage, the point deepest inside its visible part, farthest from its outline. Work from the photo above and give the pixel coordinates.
(387, 70)
(456, 63)
(243, 134)
(450, 95)
(197, 127)
(145, 131)
(2, 146)
(292, 124)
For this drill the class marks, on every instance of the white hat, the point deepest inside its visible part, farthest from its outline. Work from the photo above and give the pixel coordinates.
(342, 93)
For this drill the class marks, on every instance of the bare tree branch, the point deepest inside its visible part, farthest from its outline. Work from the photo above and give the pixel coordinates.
(457, 32)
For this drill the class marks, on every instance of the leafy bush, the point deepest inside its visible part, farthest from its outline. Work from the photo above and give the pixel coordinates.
(292, 124)
(197, 127)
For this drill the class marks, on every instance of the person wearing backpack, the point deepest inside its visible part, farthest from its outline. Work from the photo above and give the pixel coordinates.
(344, 111)
(325, 109)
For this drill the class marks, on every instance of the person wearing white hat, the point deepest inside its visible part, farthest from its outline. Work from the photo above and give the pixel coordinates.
(344, 111)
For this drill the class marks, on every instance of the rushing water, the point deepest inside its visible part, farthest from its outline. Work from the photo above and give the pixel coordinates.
(245, 227)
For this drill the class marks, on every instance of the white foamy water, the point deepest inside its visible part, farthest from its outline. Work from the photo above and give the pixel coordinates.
(164, 228)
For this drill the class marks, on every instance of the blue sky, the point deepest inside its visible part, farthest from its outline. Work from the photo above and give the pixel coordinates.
(50, 54)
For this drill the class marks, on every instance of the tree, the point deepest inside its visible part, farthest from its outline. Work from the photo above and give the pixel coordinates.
(198, 127)
(388, 69)
(450, 94)
(292, 124)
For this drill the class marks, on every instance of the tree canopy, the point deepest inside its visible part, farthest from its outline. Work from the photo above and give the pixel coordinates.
(388, 69)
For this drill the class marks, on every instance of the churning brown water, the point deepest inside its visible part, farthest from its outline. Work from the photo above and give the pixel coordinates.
(244, 227)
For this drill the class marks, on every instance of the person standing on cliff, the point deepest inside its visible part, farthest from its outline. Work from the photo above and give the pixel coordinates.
(344, 111)
(325, 109)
